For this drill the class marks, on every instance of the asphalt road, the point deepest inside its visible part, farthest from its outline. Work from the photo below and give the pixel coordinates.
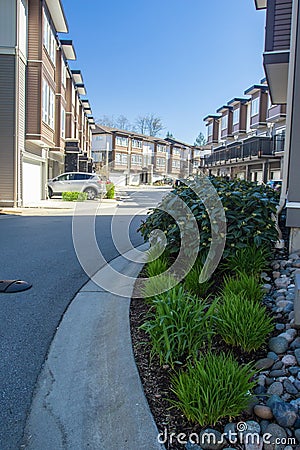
(39, 249)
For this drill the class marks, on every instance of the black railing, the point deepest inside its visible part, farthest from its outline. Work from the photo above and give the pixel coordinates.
(251, 148)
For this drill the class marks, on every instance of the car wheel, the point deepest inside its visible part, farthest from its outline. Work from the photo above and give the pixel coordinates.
(50, 193)
(91, 193)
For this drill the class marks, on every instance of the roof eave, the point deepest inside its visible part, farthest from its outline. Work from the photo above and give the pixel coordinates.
(58, 15)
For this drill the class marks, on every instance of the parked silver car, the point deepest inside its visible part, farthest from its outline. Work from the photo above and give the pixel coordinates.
(90, 183)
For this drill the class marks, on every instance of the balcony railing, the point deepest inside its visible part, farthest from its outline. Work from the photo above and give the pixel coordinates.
(252, 148)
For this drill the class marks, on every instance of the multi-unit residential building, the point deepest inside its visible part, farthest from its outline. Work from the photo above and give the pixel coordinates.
(127, 157)
(45, 125)
(246, 136)
(281, 60)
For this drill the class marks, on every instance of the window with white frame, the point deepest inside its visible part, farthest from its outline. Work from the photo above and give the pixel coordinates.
(176, 164)
(63, 73)
(136, 160)
(63, 122)
(49, 40)
(137, 144)
(236, 116)
(210, 129)
(121, 159)
(122, 141)
(255, 106)
(161, 148)
(224, 122)
(160, 162)
(176, 151)
(48, 104)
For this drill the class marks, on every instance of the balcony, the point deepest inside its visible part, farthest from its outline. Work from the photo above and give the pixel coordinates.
(253, 148)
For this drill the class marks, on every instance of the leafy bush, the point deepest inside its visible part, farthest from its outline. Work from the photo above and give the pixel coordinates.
(213, 388)
(245, 284)
(110, 190)
(242, 323)
(251, 260)
(248, 208)
(191, 281)
(157, 266)
(74, 196)
(178, 325)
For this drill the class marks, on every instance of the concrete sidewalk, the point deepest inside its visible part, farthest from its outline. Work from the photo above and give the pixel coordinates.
(89, 394)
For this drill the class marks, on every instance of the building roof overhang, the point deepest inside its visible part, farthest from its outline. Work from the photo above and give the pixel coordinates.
(68, 49)
(77, 76)
(211, 117)
(237, 100)
(260, 4)
(58, 15)
(255, 88)
(224, 108)
(80, 89)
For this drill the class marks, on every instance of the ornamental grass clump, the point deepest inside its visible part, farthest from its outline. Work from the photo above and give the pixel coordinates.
(191, 282)
(213, 388)
(251, 260)
(157, 266)
(245, 284)
(179, 326)
(156, 285)
(242, 322)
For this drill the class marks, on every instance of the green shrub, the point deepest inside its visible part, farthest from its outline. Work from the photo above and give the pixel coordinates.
(242, 323)
(74, 196)
(157, 266)
(245, 284)
(248, 208)
(191, 281)
(251, 260)
(179, 325)
(213, 388)
(110, 190)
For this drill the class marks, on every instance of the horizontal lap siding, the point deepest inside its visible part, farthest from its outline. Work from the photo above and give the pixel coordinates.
(282, 25)
(7, 127)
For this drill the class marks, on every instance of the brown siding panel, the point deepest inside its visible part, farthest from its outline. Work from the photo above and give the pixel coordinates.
(7, 126)
(33, 105)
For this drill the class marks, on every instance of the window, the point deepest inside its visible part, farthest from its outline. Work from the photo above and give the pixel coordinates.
(224, 122)
(176, 151)
(63, 122)
(176, 164)
(63, 73)
(122, 141)
(210, 129)
(136, 160)
(160, 162)
(161, 148)
(255, 106)
(197, 153)
(137, 144)
(82, 176)
(236, 116)
(49, 39)
(121, 159)
(48, 104)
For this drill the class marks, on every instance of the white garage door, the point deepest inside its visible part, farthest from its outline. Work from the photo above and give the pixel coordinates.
(32, 182)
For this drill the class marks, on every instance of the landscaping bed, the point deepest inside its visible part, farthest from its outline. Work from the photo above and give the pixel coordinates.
(260, 356)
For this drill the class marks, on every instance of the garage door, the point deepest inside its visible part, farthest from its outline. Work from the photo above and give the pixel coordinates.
(32, 183)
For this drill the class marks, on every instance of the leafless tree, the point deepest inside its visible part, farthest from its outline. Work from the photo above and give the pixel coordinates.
(149, 124)
(123, 123)
(141, 125)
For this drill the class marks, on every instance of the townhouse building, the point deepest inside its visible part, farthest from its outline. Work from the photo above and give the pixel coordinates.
(127, 157)
(45, 126)
(246, 136)
(281, 60)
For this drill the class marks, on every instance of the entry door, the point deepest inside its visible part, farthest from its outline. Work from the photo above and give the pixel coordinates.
(32, 182)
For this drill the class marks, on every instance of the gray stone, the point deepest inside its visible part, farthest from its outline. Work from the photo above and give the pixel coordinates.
(282, 282)
(278, 365)
(230, 427)
(263, 426)
(209, 442)
(296, 402)
(252, 444)
(276, 274)
(294, 370)
(290, 297)
(296, 263)
(289, 360)
(190, 446)
(276, 432)
(289, 387)
(275, 389)
(278, 345)
(297, 354)
(261, 379)
(277, 373)
(297, 434)
(293, 256)
(291, 315)
(285, 414)
(273, 355)
(266, 288)
(275, 265)
(272, 400)
(297, 384)
(263, 364)
(280, 326)
(269, 381)
(286, 397)
(263, 412)
(296, 343)
(287, 335)
(288, 308)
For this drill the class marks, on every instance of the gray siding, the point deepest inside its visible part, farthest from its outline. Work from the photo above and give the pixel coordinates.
(7, 128)
(278, 26)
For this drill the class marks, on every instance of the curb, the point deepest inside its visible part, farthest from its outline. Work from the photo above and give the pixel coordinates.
(89, 393)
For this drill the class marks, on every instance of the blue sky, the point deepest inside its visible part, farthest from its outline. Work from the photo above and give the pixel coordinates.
(180, 59)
